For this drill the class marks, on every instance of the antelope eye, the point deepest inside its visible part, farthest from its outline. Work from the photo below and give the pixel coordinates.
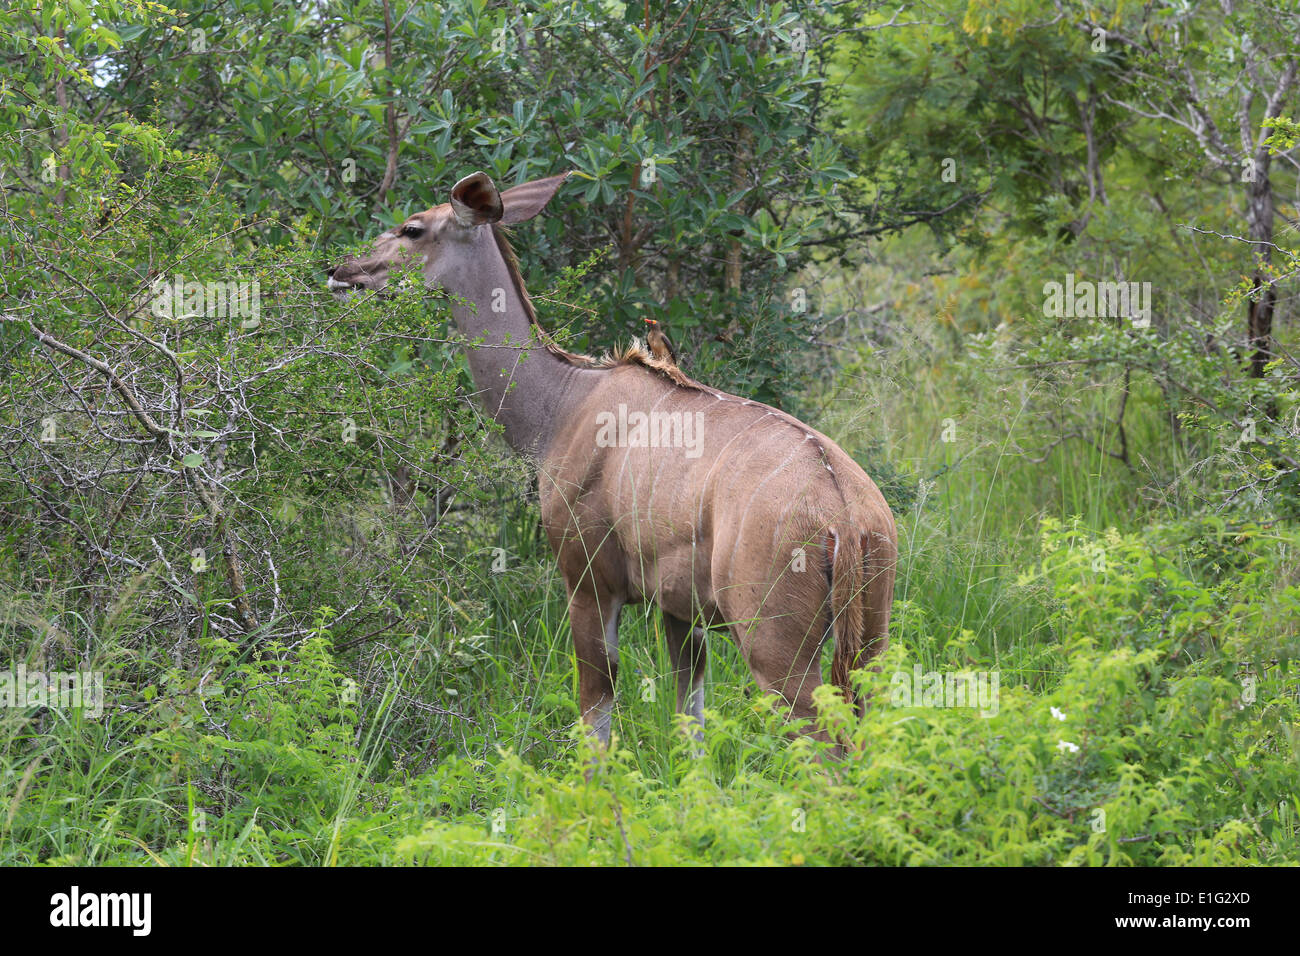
(411, 230)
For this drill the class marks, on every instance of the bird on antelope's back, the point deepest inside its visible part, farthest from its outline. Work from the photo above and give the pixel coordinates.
(660, 347)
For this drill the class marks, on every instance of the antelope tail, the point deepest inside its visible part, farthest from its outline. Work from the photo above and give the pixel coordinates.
(849, 610)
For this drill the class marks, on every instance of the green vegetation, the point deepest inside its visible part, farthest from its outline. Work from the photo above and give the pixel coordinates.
(329, 628)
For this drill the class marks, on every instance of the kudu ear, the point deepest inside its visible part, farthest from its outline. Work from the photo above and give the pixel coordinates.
(475, 200)
(525, 201)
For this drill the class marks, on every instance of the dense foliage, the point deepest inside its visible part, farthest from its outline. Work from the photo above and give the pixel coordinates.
(328, 627)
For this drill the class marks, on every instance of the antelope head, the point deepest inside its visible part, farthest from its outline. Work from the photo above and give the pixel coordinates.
(445, 242)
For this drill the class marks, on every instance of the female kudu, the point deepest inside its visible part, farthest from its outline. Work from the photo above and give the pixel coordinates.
(655, 487)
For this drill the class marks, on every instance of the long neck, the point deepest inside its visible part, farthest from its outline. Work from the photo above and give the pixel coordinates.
(520, 383)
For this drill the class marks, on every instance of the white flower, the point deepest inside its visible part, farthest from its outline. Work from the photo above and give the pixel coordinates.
(1058, 714)
(1065, 745)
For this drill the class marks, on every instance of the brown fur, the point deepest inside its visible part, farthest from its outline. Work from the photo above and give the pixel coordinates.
(763, 525)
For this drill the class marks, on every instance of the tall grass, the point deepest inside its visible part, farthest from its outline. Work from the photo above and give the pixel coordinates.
(375, 739)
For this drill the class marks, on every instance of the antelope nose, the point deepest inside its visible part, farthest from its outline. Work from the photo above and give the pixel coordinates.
(339, 279)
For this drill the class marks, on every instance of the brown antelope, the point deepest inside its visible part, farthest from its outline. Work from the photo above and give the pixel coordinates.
(655, 487)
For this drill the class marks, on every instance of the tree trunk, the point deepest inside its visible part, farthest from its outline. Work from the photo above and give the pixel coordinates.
(739, 180)
(1259, 309)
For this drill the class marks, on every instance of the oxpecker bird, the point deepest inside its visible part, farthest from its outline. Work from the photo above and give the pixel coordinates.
(660, 347)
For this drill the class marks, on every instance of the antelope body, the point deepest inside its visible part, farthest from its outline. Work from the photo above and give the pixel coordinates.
(654, 487)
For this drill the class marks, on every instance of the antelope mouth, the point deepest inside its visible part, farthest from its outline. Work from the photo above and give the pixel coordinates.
(350, 285)
(334, 285)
